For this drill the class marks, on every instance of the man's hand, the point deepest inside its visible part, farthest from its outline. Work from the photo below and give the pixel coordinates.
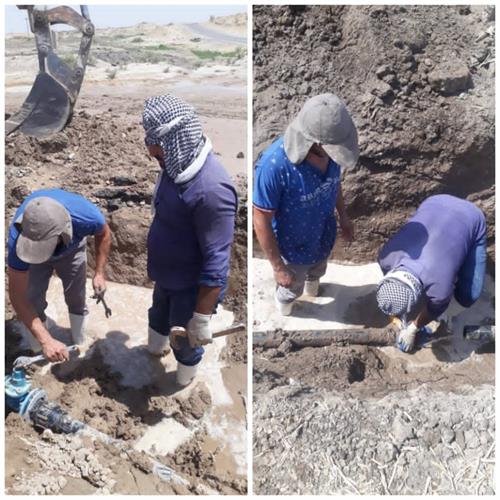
(283, 277)
(347, 228)
(54, 350)
(406, 337)
(99, 284)
(198, 330)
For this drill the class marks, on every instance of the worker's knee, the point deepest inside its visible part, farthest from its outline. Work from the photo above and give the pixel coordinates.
(75, 300)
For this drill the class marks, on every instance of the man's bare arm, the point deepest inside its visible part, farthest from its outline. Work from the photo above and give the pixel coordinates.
(18, 293)
(262, 222)
(102, 249)
(345, 222)
(423, 318)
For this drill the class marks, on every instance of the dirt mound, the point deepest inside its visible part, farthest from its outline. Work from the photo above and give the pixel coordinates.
(363, 371)
(419, 83)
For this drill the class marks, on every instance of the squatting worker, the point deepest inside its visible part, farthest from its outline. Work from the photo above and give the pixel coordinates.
(49, 233)
(439, 253)
(189, 242)
(296, 191)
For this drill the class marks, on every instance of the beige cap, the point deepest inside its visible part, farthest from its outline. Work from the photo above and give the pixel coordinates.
(44, 220)
(324, 119)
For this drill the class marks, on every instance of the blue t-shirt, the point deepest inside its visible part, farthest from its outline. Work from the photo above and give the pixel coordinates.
(303, 199)
(86, 218)
(433, 245)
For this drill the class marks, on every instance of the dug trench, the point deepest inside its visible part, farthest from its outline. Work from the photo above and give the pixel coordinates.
(361, 419)
(364, 419)
(115, 386)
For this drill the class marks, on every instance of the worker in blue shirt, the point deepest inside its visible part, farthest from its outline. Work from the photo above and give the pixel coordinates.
(296, 192)
(48, 234)
(191, 235)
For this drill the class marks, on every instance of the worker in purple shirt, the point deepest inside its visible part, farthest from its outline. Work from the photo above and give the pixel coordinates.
(439, 253)
(189, 242)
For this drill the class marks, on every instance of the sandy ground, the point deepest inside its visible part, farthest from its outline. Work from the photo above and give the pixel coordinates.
(116, 387)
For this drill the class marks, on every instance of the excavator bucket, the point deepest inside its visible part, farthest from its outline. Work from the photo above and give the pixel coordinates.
(49, 105)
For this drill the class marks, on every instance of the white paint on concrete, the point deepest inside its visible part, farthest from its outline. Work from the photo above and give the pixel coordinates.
(233, 434)
(210, 372)
(164, 437)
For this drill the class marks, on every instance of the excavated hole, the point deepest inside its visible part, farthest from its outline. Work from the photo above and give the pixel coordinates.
(357, 369)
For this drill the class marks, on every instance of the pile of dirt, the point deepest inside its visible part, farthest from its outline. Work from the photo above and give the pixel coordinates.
(50, 463)
(419, 83)
(363, 371)
(410, 442)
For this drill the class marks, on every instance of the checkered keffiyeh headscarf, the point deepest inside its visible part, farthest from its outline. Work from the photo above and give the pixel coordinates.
(173, 125)
(398, 292)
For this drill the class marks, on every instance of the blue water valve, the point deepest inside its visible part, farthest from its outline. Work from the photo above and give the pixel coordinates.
(17, 388)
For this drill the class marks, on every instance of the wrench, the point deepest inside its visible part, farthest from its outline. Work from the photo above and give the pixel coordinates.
(100, 298)
(24, 361)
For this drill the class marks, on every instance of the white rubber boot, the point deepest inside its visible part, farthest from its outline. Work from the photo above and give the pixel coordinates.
(78, 322)
(158, 344)
(311, 288)
(28, 339)
(185, 374)
(284, 309)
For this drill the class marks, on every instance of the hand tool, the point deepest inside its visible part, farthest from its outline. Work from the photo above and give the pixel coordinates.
(179, 331)
(99, 297)
(24, 361)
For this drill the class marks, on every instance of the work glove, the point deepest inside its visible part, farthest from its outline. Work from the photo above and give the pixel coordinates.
(198, 330)
(406, 338)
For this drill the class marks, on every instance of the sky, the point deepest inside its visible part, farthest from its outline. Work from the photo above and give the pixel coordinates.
(112, 16)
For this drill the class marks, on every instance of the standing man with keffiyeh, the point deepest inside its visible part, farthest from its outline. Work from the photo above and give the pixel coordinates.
(439, 253)
(189, 242)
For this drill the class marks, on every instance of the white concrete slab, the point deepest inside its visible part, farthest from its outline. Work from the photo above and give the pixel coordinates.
(154, 439)
(346, 300)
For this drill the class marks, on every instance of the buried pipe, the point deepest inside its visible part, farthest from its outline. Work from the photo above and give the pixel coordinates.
(33, 405)
(321, 338)
(377, 337)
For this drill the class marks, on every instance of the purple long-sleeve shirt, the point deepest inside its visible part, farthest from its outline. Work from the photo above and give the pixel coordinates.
(433, 245)
(190, 238)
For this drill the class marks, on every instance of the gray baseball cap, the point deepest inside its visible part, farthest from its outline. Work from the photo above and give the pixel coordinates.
(324, 119)
(44, 220)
